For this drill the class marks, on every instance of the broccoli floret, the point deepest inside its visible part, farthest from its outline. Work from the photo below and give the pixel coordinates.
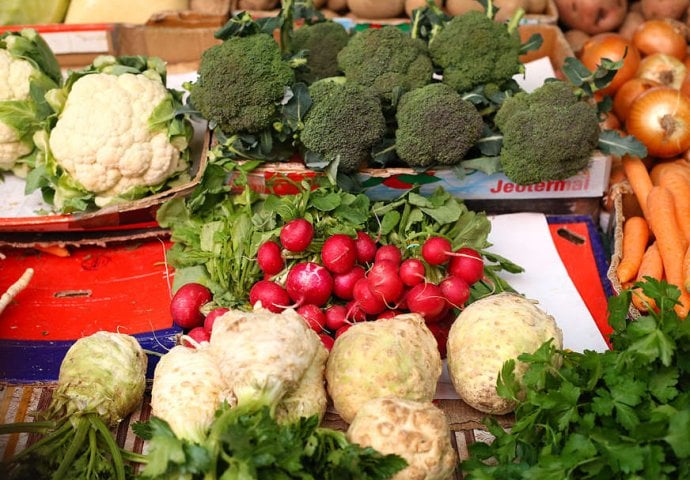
(240, 83)
(385, 58)
(322, 41)
(344, 122)
(548, 134)
(473, 50)
(435, 126)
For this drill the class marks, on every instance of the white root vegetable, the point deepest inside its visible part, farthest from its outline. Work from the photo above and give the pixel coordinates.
(486, 334)
(397, 357)
(187, 390)
(309, 398)
(417, 431)
(16, 288)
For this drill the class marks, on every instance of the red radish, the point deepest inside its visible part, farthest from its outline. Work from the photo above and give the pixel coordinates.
(412, 271)
(336, 317)
(387, 314)
(309, 282)
(436, 250)
(271, 295)
(366, 248)
(339, 253)
(269, 258)
(198, 334)
(314, 316)
(455, 290)
(185, 306)
(440, 331)
(342, 329)
(343, 283)
(296, 235)
(467, 264)
(211, 318)
(355, 312)
(427, 300)
(388, 252)
(383, 279)
(327, 340)
(370, 302)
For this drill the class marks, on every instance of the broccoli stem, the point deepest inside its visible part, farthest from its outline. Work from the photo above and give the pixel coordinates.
(287, 14)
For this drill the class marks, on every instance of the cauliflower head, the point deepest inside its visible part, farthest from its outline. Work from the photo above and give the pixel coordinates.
(28, 69)
(103, 140)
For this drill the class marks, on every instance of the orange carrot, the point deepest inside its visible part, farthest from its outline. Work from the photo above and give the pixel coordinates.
(679, 187)
(651, 266)
(686, 270)
(56, 250)
(639, 179)
(670, 240)
(680, 166)
(635, 238)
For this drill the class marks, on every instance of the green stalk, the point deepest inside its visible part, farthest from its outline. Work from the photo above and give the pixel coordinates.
(27, 427)
(64, 428)
(115, 452)
(82, 431)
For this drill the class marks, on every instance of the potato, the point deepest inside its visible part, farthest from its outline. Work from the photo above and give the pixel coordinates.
(319, 3)
(576, 39)
(664, 8)
(536, 6)
(257, 4)
(506, 8)
(410, 5)
(592, 16)
(486, 334)
(458, 7)
(630, 24)
(417, 431)
(336, 5)
(376, 8)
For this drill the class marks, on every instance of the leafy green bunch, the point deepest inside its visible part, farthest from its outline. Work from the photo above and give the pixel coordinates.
(623, 413)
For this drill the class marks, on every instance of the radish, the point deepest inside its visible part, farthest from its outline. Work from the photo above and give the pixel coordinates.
(269, 258)
(339, 253)
(388, 314)
(427, 300)
(383, 280)
(467, 264)
(271, 295)
(366, 248)
(370, 302)
(185, 306)
(198, 334)
(211, 318)
(455, 290)
(314, 316)
(296, 235)
(388, 252)
(355, 312)
(437, 250)
(327, 341)
(412, 271)
(309, 282)
(440, 330)
(342, 330)
(343, 283)
(336, 317)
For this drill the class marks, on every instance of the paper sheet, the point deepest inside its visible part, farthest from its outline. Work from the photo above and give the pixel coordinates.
(525, 239)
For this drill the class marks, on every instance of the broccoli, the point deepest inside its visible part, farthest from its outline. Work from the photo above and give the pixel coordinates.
(435, 126)
(323, 41)
(385, 59)
(548, 134)
(241, 82)
(472, 50)
(344, 122)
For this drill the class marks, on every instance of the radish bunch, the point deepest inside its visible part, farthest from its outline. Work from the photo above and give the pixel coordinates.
(352, 279)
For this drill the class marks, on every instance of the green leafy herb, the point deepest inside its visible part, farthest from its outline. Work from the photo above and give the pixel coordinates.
(623, 413)
(246, 442)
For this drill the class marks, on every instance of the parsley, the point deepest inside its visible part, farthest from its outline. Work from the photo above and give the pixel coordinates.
(623, 413)
(246, 442)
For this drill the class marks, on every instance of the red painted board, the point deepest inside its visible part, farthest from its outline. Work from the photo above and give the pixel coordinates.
(123, 288)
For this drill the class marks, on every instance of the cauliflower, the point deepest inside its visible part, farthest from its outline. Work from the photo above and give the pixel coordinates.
(117, 136)
(417, 431)
(398, 357)
(28, 69)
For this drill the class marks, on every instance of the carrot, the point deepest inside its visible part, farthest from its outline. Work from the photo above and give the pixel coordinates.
(680, 166)
(670, 240)
(640, 181)
(57, 250)
(651, 266)
(635, 239)
(679, 187)
(686, 270)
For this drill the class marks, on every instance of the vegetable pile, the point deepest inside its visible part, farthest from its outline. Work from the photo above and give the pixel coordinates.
(624, 413)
